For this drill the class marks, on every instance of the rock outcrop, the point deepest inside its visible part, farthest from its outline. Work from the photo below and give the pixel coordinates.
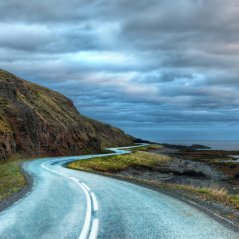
(36, 121)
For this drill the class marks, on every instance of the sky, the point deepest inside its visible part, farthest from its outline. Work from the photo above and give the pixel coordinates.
(161, 70)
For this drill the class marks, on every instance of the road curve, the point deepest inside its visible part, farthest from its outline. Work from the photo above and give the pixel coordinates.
(77, 205)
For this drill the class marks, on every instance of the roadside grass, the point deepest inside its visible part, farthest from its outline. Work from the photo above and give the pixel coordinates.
(217, 194)
(213, 193)
(11, 179)
(147, 147)
(119, 163)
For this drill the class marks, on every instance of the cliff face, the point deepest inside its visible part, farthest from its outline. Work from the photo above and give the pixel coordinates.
(37, 121)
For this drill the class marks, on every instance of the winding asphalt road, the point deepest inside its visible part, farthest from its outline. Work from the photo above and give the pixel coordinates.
(77, 205)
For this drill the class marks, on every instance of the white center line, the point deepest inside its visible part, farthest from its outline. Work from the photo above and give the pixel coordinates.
(51, 170)
(86, 186)
(94, 229)
(95, 203)
(89, 197)
(86, 226)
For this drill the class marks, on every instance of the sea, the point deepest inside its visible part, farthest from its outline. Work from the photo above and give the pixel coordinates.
(216, 145)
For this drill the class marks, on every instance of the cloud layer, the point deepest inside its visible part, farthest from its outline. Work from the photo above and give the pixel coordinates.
(140, 65)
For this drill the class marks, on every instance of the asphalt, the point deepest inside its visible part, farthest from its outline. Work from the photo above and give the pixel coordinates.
(71, 204)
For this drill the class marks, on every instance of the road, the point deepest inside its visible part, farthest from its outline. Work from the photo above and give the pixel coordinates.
(70, 204)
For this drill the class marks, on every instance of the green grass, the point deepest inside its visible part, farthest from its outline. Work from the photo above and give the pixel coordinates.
(147, 147)
(119, 163)
(11, 179)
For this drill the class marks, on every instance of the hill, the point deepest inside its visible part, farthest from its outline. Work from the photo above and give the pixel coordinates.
(36, 121)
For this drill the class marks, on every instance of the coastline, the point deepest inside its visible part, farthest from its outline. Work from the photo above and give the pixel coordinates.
(213, 144)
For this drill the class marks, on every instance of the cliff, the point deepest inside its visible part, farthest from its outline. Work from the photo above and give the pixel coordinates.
(36, 121)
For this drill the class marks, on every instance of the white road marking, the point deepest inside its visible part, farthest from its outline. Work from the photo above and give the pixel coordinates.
(86, 186)
(95, 203)
(94, 229)
(89, 197)
(72, 178)
(86, 227)
(53, 171)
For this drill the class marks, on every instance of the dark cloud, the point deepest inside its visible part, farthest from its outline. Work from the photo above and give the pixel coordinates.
(140, 65)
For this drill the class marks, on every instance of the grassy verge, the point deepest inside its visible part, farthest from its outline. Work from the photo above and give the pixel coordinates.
(11, 179)
(147, 147)
(119, 163)
(220, 195)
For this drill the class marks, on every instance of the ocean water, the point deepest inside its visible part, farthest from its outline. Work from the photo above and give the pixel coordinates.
(223, 145)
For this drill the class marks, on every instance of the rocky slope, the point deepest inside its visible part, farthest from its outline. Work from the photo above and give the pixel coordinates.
(36, 121)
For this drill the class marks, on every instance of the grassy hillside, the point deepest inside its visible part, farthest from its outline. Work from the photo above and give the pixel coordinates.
(36, 121)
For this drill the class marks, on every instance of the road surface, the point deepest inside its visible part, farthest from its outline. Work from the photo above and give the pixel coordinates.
(77, 205)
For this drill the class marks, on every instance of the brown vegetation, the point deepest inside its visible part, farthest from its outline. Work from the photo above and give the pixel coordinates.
(37, 121)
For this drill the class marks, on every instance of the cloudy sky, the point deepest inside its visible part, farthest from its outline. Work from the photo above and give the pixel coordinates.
(161, 70)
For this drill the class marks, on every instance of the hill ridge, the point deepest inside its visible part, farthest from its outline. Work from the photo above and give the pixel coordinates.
(35, 120)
